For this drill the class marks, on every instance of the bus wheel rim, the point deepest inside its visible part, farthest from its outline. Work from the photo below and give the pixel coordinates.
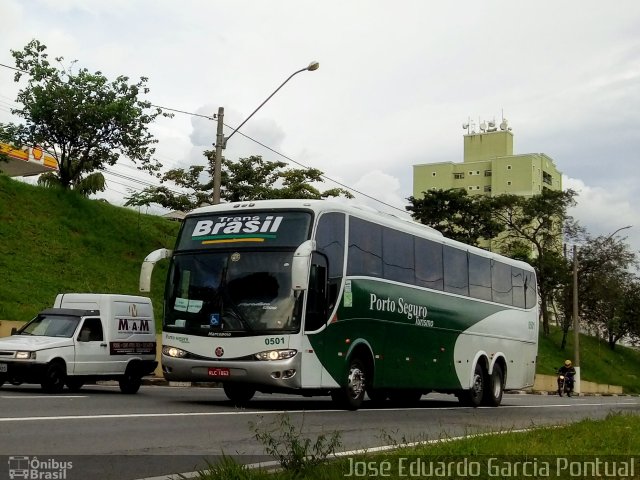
(356, 382)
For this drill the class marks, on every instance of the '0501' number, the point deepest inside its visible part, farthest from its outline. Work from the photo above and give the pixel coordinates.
(274, 341)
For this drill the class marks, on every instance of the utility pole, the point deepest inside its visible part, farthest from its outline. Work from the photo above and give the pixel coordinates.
(217, 167)
(221, 140)
(576, 322)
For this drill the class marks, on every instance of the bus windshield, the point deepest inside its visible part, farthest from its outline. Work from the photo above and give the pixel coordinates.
(229, 293)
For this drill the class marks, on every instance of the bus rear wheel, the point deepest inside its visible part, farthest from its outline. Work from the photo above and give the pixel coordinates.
(473, 397)
(238, 393)
(352, 394)
(495, 387)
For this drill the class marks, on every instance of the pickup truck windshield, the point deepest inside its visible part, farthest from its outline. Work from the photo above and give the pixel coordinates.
(51, 326)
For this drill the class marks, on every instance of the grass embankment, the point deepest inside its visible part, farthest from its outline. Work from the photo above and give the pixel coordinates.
(552, 452)
(54, 241)
(598, 363)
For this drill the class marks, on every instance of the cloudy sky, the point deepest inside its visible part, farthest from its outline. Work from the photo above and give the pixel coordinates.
(396, 81)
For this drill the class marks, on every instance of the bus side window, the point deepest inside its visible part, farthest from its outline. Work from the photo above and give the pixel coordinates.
(330, 242)
(317, 294)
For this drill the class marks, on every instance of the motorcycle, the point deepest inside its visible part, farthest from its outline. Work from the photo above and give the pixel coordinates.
(565, 384)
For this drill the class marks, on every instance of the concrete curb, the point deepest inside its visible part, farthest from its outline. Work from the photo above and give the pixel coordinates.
(159, 381)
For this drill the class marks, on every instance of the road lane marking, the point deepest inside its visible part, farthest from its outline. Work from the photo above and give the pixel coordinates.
(22, 397)
(278, 412)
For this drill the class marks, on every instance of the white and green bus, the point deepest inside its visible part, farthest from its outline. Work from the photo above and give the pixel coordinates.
(320, 297)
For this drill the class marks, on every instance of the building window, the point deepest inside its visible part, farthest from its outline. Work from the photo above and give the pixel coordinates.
(487, 173)
(508, 167)
(487, 188)
(509, 183)
(458, 176)
(477, 172)
(433, 174)
(546, 178)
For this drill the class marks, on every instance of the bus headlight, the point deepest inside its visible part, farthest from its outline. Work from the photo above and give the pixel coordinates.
(174, 352)
(26, 355)
(276, 354)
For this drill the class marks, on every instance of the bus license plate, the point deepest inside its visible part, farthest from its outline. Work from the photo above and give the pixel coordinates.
(3, 368)
(219, 372)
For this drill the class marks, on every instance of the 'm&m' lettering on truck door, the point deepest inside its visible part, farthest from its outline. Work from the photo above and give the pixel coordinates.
(133, 325)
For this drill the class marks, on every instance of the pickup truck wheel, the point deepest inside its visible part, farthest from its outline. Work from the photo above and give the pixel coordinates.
(74, 384)
(130, 382)
(54, 378)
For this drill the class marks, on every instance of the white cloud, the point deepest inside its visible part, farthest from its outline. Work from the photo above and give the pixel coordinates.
(602, 211)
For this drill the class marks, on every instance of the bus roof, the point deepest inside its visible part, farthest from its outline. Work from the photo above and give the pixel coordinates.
(348, 207)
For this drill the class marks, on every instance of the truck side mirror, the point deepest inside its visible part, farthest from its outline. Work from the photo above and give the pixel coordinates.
(147, 267)
(14, 330)
(300, 265)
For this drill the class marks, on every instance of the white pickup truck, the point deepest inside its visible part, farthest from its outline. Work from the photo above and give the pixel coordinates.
(85, 337)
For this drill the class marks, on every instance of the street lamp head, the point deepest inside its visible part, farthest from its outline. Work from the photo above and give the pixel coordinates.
(313, 66)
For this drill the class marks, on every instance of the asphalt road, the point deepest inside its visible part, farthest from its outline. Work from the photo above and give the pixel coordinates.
(167, 430)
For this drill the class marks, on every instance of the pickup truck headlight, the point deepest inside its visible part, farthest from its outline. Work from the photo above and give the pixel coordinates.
(276, 354)
(174, 352)
(26, 355)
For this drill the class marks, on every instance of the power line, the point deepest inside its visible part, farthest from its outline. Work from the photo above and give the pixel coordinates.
(323, 176)
(183, 111)
(257, 142)
(13, 68)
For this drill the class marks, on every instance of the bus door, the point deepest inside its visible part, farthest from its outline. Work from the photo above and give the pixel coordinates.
(316, 314)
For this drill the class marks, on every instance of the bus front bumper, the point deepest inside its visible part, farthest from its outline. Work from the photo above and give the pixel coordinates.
(277, 374)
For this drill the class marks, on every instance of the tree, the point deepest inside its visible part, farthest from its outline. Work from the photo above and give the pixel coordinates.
(253, 178)
(250, 178)
(608, 291)
(456, 214)
(82, 119)
(538, 221)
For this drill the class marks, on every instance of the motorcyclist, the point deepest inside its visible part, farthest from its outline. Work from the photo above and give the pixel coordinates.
(568, 371)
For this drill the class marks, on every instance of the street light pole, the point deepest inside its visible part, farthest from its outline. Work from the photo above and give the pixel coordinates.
(576, 320)
(221, 140)
(217, 166)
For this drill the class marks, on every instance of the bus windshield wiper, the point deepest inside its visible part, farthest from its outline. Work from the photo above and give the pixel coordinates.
(226, 299)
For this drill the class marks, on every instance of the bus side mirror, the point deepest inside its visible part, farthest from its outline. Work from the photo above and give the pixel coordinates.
(147, 267)
(300, 265)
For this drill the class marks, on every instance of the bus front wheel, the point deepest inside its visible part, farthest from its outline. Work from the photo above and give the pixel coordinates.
(351, 395)
(238, 393)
